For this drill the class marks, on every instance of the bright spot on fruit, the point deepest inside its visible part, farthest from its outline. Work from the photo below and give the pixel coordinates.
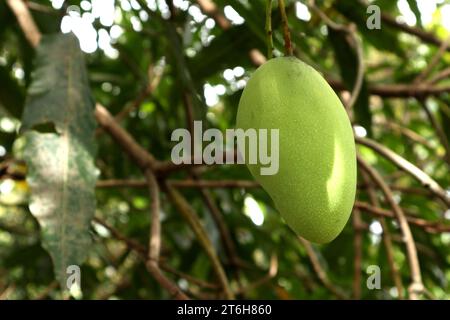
(253, 211)
(232, 15)
(376, 228)
(360, 131)
(2, 151)
(302, 12)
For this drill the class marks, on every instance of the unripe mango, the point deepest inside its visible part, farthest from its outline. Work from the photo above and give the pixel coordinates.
(314, 189)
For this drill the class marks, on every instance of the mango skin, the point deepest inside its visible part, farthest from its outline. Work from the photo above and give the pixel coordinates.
(314, 189)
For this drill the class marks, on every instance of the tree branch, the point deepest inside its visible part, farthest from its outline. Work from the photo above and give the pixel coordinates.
(193, 220)
(321, 274)
(416, 286)
(406, 166)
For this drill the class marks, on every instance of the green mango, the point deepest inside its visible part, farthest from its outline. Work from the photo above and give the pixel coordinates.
(314, 188)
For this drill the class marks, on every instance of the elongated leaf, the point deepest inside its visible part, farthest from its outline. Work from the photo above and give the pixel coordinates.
(61, 164)
(348, 66)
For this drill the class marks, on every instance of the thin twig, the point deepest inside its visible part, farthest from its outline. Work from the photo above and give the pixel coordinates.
(416, 286)
(269, 29)
(429, 226)
(155, 231)
(193, 220)
(357, 246)
(26, 21)
(406, 166)
(321, 274)
(360, 70)
(441, 75)
(156, 74)
(273, 270)
(438, 129)
(387, 240)
(289, 51)
(434, 61)
(210, 8)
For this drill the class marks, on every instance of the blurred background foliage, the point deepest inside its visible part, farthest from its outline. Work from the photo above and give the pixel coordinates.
(147, 65)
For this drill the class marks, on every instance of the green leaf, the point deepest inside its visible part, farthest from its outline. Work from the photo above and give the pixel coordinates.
(385, 39)
(348, 65)
(61, 171)
(415, 9)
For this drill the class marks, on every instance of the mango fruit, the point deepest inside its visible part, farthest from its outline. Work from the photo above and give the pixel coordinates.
(314, 188)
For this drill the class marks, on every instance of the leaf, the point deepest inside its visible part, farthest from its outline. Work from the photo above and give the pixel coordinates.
(348, 65)
(61, 171)
(385, 39)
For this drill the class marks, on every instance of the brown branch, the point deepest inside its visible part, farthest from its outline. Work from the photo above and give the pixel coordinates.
(209, 8)
(407, 132)
(26, 21)
(273, 270)
(406, 166)
(189, 183)
(396, 90)
(429, 226)
(132, 244)
(387, 239)
(416, 286)
(421, 34)
(441, 75)
(142, 252)
(193, 220)
(438, 128)
(357, 246)
(223, 228)
(434, 61)
(174, 291)
(138, 154)
(288, 50)
(321, 274)
(155, 74)
(189, 278)
(155, 231)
